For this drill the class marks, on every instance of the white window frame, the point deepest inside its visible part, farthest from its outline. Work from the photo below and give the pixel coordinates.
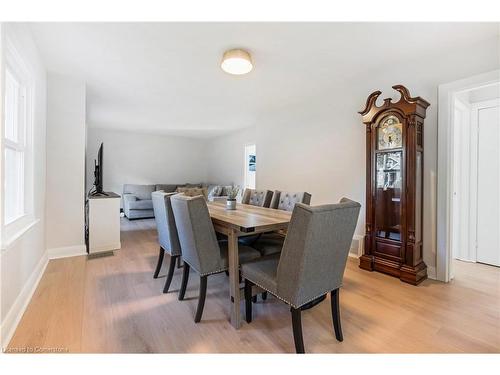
(17, 66)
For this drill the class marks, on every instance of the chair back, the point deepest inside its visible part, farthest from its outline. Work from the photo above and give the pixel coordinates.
(286, 200)
(199, 245)
(261, 198)
(315, 251)
(165, 222)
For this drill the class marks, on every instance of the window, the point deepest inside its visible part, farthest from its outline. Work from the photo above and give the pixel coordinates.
(17, 146)
(14, 147)
(250, 166)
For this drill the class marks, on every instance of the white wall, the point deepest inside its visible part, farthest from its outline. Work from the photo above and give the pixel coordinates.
(134, 158)
(226, 157)
(319, 145)
(65, 164)
(23, 261)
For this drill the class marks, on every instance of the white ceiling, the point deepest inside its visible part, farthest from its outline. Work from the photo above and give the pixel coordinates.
(165, 77)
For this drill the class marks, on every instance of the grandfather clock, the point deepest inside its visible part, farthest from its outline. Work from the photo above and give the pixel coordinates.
(394, 166)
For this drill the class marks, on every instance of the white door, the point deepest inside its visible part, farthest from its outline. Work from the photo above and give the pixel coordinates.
(488, 186)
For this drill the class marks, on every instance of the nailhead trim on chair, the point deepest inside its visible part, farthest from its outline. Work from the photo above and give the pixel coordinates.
(287, 302)
(218, 271)
(278, 297)
(207, 273)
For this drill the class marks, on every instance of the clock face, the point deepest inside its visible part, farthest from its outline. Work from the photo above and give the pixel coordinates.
(390, 133)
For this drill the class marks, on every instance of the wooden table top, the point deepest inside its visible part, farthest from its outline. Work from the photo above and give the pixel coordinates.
(247, 218)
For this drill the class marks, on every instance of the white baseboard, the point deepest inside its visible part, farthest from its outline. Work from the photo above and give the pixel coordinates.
(357, 246)
(431, 273)
(13, 317)
(16, 312)
(68, 251)
(109, 247)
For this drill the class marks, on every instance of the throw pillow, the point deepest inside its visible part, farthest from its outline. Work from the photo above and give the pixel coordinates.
(225, 189)
(215, 191)
(191, 192)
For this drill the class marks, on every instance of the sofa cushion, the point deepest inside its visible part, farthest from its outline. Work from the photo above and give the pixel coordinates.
(142, 204)
(214, 190)
(167, 188)
(225, 190)
(140, 191)
(192, 192)
(140, 214)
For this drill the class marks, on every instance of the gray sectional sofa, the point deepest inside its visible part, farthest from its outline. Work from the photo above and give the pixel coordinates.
(138, 203)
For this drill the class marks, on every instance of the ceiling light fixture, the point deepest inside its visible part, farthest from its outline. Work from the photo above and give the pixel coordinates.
(236, 61)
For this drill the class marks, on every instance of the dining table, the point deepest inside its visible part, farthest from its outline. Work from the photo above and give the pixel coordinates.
(245, 220)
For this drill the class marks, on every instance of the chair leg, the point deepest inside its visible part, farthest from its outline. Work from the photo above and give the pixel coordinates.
(170, 274)
(185, 277)
(159, 263)
(334, 296)
(264, 296)
(179, 264)
(297, 330)
(201, 298)
(248, 301)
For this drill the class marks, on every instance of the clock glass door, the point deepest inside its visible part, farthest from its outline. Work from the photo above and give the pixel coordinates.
(388, 195)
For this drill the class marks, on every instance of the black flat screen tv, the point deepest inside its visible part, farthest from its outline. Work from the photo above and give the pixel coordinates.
(98, 169)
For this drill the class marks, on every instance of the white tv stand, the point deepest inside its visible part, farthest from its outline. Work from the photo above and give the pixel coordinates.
(103, 223)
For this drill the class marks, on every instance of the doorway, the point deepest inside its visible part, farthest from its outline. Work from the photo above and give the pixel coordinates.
(468, 226)
(488, 186)
(250, 165)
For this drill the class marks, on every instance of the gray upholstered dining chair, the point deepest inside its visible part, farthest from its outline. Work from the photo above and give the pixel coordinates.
(261, 198)
(200, 249)
(167, 234)
(272, 243)
(311, 264)
(286, 200)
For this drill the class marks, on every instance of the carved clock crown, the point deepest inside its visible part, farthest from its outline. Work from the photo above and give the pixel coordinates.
(408, 104)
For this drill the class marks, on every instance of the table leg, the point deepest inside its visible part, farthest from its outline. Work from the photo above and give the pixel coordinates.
(234, 279)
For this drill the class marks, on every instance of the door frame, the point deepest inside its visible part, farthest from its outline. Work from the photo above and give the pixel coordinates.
(446, 97)
(461, 184)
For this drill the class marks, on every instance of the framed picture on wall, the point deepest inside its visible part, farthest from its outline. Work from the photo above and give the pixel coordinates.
(251, 163)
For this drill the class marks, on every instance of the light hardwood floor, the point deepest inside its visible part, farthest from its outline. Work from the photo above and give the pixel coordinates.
(113, 305)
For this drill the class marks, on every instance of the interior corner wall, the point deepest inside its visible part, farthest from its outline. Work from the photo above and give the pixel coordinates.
(65, 164)
(319, 145)
(23, 261)
(226, 156)
(137, 158)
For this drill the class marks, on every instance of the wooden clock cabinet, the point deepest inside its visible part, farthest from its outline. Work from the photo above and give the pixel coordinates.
(394, 186)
